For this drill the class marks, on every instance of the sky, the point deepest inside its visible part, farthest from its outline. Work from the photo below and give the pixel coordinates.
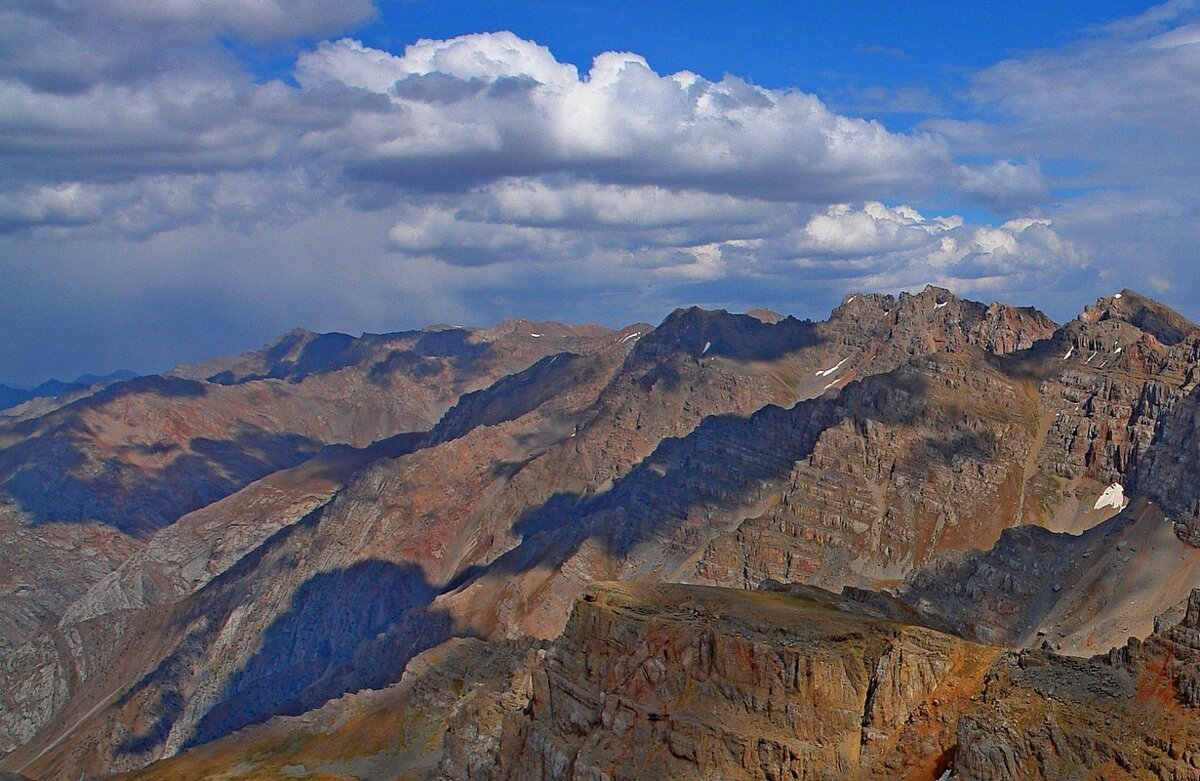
(190, 178)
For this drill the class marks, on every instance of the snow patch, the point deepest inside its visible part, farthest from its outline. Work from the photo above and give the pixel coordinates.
(827, 372)
(1118, 295)
(1069, 353)
(1113, 496)
(851, 298)
(1117, 351)
(830, 385)
(707, 347)
(939, 306)
(1090, 357)
(536, 336)
(634, 335)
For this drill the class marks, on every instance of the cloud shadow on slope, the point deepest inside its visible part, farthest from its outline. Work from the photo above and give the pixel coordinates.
(51, 480)
(343, 630)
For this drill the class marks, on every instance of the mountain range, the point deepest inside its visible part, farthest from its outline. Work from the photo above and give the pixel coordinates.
(926, 538)
(11, 396)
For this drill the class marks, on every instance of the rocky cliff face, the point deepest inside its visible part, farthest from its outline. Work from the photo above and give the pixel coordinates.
(1128, 714)
(691, 682)
(685, 682)
(667, 681)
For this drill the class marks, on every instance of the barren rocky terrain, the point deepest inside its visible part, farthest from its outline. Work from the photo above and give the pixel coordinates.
(898, 543)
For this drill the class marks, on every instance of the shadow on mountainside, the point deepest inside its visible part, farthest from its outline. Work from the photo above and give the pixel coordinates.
(345, 630)
(727, 461)
(52, 480)
(700, 334)
(342, 630)
(516, 394)
(357, 627)
(427, 355)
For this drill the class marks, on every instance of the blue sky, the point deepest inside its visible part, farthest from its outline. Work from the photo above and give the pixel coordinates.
(806, 45)
(192, 178)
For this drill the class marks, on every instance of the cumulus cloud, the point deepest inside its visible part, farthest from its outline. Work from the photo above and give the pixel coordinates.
(891, 248)
(691, 237)
(477, 166)
(1115, 118)
(451, 116)
(481, 107)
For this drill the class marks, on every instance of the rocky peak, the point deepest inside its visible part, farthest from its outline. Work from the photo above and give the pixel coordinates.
(701, 332)
(765, 315)
(935, 319)
(1149, 316)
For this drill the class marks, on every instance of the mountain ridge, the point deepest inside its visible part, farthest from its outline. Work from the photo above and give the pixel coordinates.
(933, 452)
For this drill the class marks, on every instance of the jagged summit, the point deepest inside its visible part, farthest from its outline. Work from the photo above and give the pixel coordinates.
(1191, 618)
(1159, 320)
(1130, 334)
(712, 333)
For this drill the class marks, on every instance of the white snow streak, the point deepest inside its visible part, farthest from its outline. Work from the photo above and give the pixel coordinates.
(827, 372)
(633, 335)
(707, 346)
(1113, 496)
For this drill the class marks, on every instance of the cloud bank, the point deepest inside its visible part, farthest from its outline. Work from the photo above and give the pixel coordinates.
(1115, 118)
(474, 177)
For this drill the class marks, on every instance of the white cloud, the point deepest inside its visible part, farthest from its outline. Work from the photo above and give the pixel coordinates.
(1115, 119)
(576, 231)
(489, 105)
(450, 116)
(877, 247)
(476, 176)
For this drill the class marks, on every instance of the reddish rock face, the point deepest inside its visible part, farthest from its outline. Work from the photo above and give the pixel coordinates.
(689, 682)
(1128, 714)
(684, 682)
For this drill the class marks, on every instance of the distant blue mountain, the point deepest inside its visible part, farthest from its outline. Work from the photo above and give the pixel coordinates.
(11, 397)
(120, 375)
